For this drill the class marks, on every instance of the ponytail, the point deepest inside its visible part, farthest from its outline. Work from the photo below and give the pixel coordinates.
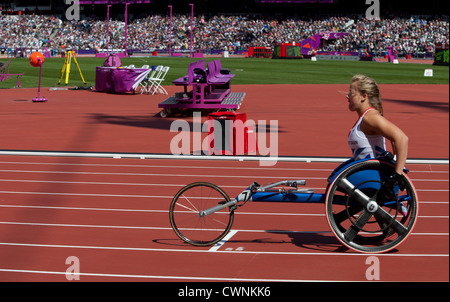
(368, 86)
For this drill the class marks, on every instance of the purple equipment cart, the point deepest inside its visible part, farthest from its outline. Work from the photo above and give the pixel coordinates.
(210, 90)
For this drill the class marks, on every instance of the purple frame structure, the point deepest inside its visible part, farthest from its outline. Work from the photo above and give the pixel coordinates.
(109, 3)
(207, 93)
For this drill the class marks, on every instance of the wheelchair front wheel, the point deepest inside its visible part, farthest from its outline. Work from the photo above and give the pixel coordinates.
(196, 229)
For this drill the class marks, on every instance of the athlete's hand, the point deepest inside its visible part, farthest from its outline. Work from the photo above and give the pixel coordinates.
(386, 192)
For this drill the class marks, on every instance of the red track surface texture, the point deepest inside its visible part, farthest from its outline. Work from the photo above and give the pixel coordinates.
(313, 120)
(112, 214)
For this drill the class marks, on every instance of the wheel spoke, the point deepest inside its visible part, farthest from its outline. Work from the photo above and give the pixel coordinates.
(359, 223)
(344, 215)
(357, 194)
(187, 199)
(383, 227)
(396, 225)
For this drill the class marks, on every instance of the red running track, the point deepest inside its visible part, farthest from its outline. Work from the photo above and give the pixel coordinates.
(112, 214)
(313, 120)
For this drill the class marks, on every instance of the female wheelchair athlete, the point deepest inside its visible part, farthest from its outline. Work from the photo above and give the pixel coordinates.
(361, 213)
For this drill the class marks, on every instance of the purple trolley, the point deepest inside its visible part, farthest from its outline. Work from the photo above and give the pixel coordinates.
(210, 90)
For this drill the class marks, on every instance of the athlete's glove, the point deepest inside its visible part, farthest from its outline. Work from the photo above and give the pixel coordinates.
(386, 192)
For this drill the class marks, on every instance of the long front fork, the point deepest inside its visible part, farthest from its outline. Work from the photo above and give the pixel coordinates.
(258, 193)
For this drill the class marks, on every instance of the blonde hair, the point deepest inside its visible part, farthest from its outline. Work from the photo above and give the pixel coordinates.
(368, 85)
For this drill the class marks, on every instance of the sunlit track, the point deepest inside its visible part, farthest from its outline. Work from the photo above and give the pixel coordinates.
(107, 211)
(155, 166)
(145, 184)
(166, 211)
(144, 174)
(170, 229)
(218, 252)
(191, 167)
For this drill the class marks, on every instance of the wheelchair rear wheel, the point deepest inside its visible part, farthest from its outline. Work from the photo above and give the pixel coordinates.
(363, 221)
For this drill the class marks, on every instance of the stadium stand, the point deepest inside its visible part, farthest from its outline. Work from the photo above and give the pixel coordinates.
(415, 36)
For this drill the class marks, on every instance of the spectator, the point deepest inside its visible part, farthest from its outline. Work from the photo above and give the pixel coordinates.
(407, 35)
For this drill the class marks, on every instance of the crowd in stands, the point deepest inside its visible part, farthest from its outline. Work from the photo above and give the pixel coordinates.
(220, 32)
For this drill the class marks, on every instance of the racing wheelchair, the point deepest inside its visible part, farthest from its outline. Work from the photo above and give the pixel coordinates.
(362, 213)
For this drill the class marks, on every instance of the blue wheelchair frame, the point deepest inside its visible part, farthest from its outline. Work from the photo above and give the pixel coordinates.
(351, 201)
(373, 179)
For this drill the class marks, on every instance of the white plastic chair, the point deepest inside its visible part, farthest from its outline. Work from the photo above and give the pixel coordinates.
(144, 85)
(158, 79)
(140, 80)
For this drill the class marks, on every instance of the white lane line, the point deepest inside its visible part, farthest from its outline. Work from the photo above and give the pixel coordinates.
(167, 211)
(148, 210)
(170, 229)
(142, 184)
(152, 174)
(181, 175)
(223, 241)
(180, 185)
(118, 248)
(83, 225)
(202, 157)
(168, 166)
(121, 195)
(85, 194)
(191, 167)
(90, 182)
(83, 209)
(223, 279)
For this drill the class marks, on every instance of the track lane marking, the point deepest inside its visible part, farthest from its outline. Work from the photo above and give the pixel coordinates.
(121, 195)
(223, 241)
(110, 155)
(223, 279)
(218, 251)
(195, 167)
(184, 175)
(151, 174)
(167, 211)
(170, 229)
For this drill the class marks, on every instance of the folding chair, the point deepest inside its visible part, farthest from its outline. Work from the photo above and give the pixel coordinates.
(144, 85)
(140, 78)
(157, 80)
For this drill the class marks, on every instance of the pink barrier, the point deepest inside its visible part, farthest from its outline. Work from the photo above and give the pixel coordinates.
(391, 54)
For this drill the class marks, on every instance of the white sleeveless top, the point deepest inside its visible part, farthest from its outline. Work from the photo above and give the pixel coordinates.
(365, 146)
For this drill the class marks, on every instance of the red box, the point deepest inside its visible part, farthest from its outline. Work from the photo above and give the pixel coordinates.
(230, 133)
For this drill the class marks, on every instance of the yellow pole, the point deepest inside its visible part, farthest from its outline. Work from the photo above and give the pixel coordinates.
(63, 69)
(70, 53)
(79, 70)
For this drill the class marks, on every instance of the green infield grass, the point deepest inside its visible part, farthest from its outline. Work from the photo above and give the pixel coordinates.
(247, 71)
